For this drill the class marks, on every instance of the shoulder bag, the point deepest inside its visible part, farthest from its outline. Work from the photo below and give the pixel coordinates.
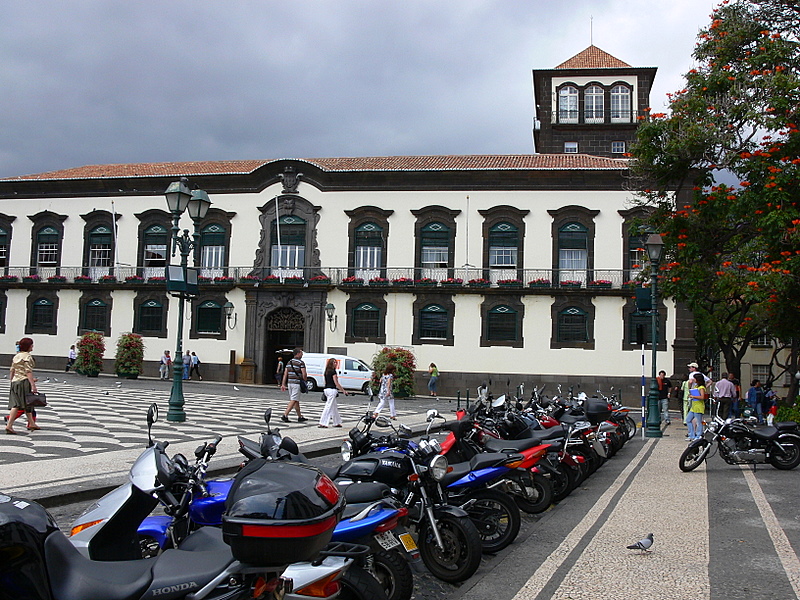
(34, 400)
(301, 381)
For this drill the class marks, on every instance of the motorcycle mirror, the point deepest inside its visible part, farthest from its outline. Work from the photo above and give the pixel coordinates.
(383, 422)
(519, 406)
(267, 415)
(152, 417)
(405, 430)
(431, 414)
(199, 451)
(289, 445)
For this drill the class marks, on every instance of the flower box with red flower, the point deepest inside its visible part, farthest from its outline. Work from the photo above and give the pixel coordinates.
(57, 279)
(540, 283)
(202, 279)
(320, 280)
(8, 279)
(568, 283)
(352, 281)
(479, 283)
(82, 279)
(600, 283)
(451, 282)
(223, 279)
(401, 281)
(31, 279)
(112, 279)
(256, 279)
(426, 282)
(156, 280)
(379, 282)
(509, 283)
(294, 281)
(133, 279)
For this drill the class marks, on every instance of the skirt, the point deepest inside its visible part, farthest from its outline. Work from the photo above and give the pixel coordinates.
(17, 393)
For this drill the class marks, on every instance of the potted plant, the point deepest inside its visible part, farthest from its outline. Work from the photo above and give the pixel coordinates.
(426, 281)
(128, 279)
(8, 278)
(600, 283)
(451, 282)
(130, 355)
(31, 278)
(509, 283)
(402, 281)
(479, 283)
(404, 363)
(91, 348)
(539, 283)
(223, 279)
(203, 279)
(570, 283)
(294, 280)
(379, 282)
(57, 279)
(113, 279)
(82, 279)
(320, 280)
(352, 281)
(156, 280)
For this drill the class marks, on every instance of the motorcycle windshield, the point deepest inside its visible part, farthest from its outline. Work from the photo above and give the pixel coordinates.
(144, 471)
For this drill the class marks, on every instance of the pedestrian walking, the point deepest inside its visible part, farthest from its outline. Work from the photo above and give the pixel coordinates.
(694, 420)
(22, 383)
(165, 366)
(331, 391)
(433, 371)
(187, 364)
(664, 390)
(71, 357)
(294, 379)
(195, 368)
(755, 398)
(724, 392)
(385, 394)
(279, 368)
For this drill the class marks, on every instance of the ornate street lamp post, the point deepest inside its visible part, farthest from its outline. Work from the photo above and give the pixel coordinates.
(654, 246)
(180, 199)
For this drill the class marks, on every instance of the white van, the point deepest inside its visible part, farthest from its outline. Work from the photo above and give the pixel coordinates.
(354, 373)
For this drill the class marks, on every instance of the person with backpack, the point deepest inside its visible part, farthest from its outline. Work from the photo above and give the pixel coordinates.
(755, 398)
(294, 379)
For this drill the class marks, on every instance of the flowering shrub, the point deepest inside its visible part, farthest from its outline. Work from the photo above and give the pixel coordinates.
(540, 281)
(451, 281)
(91, 348)
(128, 279)
(352, 279)
(130, 354)
(479, 281)
(404, 363)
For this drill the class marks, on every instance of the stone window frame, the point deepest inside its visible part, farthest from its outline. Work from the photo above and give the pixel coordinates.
(33, 297)
(499, 214)
(147, 296)
(631, 107)
(629, 218)
(579, 95)
(573, 214)
(560, 304)
(494, 301)
(40, 220)
(629, 341)
(288, 204)
(89, 296)
(353, 301)
(201, 298)
(224, 219)
(147, 219)
(6, 224)
(427, 216)
(361, 216)
(426, 299)
(92, 220)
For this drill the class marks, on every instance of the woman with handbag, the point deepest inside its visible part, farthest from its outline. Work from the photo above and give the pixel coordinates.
(22, 383)
(331, 390)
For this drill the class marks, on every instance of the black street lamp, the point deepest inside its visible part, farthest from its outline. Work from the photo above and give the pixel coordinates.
(179, 199)
(654, 246)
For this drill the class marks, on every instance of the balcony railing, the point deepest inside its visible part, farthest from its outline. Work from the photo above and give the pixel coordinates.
(593, 117)
(501, 276)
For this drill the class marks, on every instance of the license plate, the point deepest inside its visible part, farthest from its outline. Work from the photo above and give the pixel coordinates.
(387, 540)
(408, 542)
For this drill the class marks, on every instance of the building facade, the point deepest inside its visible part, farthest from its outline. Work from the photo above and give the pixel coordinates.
(518, 265)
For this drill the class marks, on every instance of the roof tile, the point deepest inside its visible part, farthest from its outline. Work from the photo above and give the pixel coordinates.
(593, 58)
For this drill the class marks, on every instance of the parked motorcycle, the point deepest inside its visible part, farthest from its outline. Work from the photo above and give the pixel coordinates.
(740, 442)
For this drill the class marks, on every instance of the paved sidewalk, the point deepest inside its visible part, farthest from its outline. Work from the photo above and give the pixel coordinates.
(93, 429)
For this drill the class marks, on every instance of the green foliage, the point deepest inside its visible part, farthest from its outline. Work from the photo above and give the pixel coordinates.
(91, 348)
(788, 413)
(130, 354)
(404, 363)
(733, 250)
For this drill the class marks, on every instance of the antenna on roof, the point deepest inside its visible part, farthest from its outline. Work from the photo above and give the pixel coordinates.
(591, 32)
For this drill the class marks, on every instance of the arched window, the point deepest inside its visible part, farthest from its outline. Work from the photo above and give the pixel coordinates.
(568, 104)
(368, 251)
(433, 322)
(42, 315)
(502, 325)
(101, 251)
(434, 250)
(209, 317)
(288, 246)
(154, 259)
(573, 252)
(366, 321)
(150, 318)
(47, 250)
(621, 104)
(572, 325)
(212, 250)
(593, 104)
(95, 316)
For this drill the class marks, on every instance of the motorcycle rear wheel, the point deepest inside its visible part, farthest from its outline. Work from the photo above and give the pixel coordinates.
(496, 517)
(693, 456)
(393, 572)
(564, 482)
(543, 491)
(358, 584)
(631, 427)
(792, 458)
(462, 549)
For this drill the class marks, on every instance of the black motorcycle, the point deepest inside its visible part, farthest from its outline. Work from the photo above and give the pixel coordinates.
(739, 442)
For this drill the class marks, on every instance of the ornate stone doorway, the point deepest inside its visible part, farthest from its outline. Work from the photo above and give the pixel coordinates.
(285, 331)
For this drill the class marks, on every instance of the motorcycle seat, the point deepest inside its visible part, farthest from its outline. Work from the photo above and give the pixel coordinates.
(765, 433)
(205, 538)
(570, 419)
(487, 460)
(547, 435)
(785, 425)
(511, 445)
(332, 472)
(366, 492)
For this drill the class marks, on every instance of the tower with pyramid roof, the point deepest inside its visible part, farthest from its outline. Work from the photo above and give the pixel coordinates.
(589, 104)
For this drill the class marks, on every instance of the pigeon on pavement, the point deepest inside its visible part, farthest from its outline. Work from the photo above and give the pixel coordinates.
(46, 380)
(236, 388)
(643, 544)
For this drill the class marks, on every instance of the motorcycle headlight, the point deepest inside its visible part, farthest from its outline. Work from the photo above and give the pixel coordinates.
(438, 467)
(346, 450)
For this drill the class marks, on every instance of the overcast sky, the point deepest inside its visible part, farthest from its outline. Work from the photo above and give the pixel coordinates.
(96, 82)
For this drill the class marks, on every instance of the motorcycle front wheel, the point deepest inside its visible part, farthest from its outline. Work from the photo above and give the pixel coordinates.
(541, 495)
(564, 481)
(789, 460)
(358, 584)
(394, 574)
(693, 456)
(631, 427)
(461, 555)
(496, 517)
